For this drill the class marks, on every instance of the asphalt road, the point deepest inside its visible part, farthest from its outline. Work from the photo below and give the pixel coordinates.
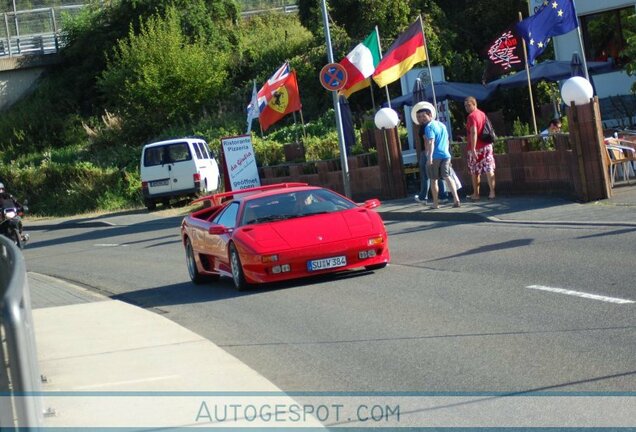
(462, 307)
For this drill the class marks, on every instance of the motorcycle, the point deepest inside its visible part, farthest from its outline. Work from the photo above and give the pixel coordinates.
(10, 224)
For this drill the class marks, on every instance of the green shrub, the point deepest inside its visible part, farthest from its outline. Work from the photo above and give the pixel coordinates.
(64, 189)
(267, 152)
(520, 128)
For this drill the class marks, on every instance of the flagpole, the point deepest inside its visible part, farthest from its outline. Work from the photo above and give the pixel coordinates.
(302, 121)
(386, 87)
(525, 58)
(578, 32)
(428, 62)
(371, 90)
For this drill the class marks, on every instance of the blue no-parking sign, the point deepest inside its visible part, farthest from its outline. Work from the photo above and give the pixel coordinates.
(333, 76)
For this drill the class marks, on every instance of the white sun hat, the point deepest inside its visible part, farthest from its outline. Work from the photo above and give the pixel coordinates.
(422, 105)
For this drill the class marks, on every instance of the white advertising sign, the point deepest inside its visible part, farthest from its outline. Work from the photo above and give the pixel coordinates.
(241, 162)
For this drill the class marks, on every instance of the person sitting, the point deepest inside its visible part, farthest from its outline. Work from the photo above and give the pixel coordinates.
(553, 127)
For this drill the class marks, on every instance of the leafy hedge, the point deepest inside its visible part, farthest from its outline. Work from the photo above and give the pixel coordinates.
(61, 189)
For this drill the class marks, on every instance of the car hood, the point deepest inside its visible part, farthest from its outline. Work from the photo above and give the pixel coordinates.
(312, 230)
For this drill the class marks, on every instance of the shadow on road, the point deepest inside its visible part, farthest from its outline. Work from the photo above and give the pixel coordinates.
(188, 292)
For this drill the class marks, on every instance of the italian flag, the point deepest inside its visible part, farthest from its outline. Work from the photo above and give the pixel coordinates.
(360, 64)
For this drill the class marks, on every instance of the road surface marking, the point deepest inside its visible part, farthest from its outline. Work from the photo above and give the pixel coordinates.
(118, 383)
(581, 294)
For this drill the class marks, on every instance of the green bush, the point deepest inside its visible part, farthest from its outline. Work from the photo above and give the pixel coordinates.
(62, 189)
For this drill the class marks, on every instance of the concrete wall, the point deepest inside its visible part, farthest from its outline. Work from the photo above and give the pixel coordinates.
(19, 76)
(15, 84)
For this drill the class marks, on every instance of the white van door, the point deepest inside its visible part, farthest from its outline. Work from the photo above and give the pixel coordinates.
(180, 166)
(207, 167)
(155, 171)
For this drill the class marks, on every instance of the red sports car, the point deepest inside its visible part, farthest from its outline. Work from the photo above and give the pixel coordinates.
(279, 232)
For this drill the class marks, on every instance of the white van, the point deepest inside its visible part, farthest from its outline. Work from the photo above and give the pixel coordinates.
(177, 167)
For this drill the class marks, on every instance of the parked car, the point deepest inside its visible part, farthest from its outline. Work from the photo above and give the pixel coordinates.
(280, 232)
(177, 167)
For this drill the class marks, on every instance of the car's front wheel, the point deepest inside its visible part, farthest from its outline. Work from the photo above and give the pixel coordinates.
(237, 269)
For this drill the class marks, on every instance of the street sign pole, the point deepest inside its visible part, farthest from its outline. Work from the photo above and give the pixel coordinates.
(336, 105)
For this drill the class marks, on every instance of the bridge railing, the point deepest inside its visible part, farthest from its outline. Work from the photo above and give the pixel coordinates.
(34, 31)
(20, 390)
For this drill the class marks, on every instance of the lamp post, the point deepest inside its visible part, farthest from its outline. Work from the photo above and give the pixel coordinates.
(336, 105)
(578, 90)
(387, 118)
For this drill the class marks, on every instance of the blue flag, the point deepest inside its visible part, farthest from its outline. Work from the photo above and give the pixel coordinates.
(554, 18)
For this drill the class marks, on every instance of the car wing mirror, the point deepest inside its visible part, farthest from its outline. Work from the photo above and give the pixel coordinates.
(218, 230)
(372, 203)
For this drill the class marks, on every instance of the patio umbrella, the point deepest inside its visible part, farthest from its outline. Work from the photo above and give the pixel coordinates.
(347, 124)
(419, 93)
(549, 70)
(457, 91)
(576, 66)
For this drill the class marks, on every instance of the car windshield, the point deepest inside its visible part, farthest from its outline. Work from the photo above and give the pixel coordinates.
(288, 205)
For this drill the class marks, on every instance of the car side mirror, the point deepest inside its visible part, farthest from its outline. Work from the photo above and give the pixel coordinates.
(217, 230)
(372, 203)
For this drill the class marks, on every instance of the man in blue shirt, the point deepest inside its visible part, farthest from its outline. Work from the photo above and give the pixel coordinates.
(425, 182)
(437, 150)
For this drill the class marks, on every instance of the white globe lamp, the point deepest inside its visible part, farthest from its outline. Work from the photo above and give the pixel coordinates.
(578, 90)
(386, 118)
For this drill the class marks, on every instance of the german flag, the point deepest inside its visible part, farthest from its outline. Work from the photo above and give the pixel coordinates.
(405, 52)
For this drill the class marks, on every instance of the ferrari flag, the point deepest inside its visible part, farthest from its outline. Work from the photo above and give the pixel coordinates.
(554, 18)
(283, 99)
(270, 86)
(504, 54)
(405, 52)
(360, 64)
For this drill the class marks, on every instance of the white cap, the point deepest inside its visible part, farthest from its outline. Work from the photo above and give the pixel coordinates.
(423, 105)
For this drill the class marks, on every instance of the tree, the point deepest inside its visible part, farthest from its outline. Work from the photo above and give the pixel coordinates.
(158, 77)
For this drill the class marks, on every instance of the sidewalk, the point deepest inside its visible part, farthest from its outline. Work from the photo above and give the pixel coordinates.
(619, 210)
(92, 344)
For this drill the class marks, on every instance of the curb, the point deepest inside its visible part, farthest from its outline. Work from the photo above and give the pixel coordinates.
(434, 216)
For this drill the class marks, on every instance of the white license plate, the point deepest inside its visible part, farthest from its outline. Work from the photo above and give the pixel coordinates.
(327, 263)
(159, 183)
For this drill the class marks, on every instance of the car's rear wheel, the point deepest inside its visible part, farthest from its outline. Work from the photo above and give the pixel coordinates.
(195, 276)
(237, 269)
(376, 266)
(150, 204)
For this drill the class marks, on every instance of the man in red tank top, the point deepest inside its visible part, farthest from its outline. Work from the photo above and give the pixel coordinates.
(481, 159)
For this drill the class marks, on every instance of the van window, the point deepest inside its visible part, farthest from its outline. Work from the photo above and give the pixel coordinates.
(152, 156)
(204, 150)
(197, 149)
(210, 152)
(178, 153)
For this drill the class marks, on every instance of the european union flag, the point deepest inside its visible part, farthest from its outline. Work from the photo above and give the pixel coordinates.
(554, 18)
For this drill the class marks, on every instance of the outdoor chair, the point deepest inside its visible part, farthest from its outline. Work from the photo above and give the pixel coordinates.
(618, 158)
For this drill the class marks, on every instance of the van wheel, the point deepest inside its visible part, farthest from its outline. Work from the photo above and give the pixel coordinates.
(150, 204)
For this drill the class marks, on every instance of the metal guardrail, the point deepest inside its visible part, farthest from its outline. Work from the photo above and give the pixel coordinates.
(39, 31)
(284, 9)
(45, 43)
(34, 31)
(19, 371)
